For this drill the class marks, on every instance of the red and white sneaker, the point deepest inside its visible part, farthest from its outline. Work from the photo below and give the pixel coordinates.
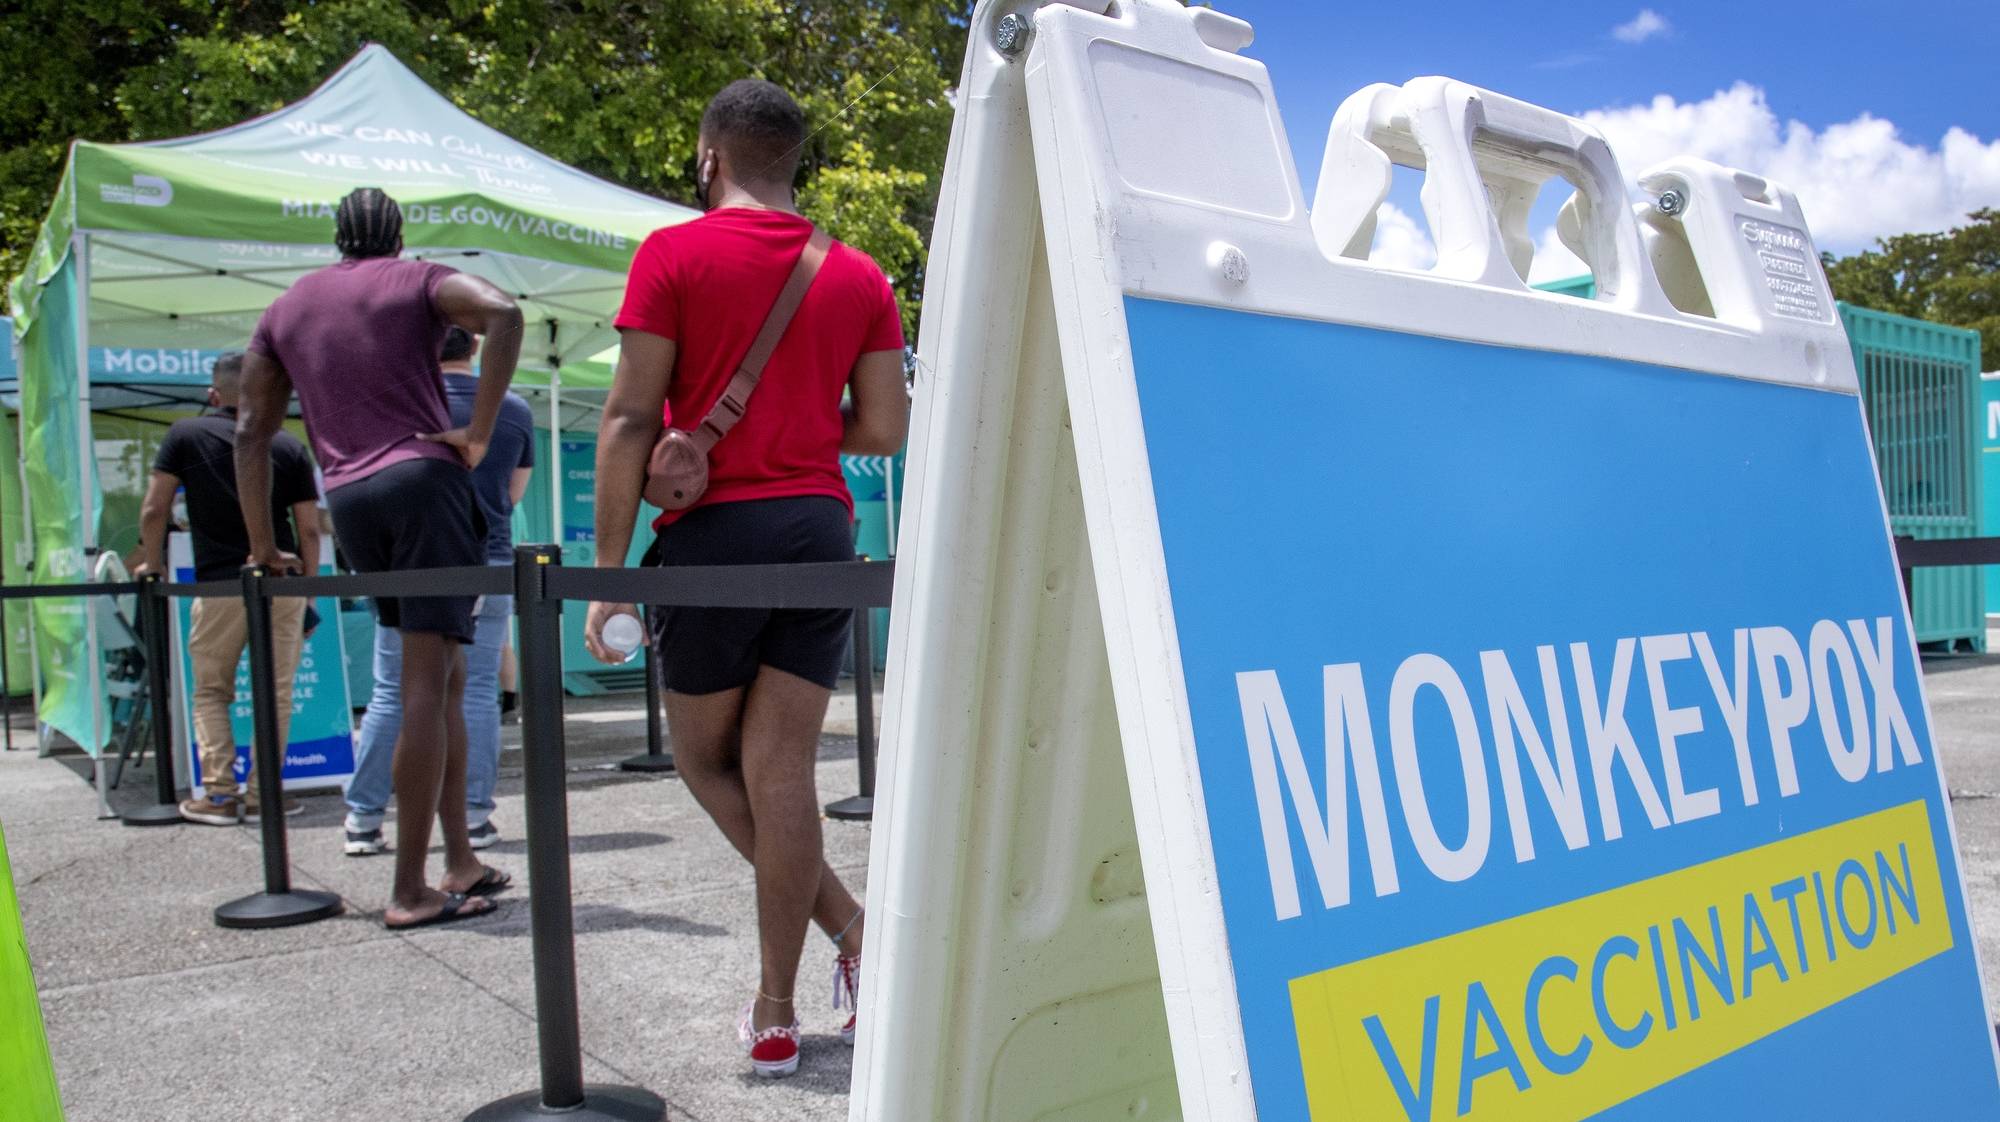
(774, 1052)
(847, 991)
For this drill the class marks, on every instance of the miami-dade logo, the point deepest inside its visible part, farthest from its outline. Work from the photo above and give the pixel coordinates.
(145, 190)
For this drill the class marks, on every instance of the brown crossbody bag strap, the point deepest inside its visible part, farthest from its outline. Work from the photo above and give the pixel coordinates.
(677, 473)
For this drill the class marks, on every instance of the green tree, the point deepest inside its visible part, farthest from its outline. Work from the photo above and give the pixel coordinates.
(1951, 278)
(615, 87)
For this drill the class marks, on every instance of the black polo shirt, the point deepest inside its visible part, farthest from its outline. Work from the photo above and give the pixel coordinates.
(201, 453)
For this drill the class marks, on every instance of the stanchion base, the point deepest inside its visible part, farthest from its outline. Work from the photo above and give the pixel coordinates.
(647, 762)
(854, 808)
(601, 1103)
(165, 814)
(278, 909)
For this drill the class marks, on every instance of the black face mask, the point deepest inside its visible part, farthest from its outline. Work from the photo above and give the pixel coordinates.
(701, 186)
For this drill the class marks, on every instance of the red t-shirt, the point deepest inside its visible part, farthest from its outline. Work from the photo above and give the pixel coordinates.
(708, 286)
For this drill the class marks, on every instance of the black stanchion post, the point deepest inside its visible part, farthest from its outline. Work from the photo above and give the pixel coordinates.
(563, 1092)
(861, 807)
(655, 758)
(278, 905)
(153, 621)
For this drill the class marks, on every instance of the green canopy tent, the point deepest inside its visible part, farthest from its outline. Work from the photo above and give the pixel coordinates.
(156, 256)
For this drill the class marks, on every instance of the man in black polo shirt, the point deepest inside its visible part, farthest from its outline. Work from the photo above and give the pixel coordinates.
(199, 453)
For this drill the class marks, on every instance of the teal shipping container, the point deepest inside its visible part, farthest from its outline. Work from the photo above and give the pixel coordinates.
(1921, 387)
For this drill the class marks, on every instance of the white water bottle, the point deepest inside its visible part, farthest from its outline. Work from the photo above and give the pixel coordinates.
(623, 633)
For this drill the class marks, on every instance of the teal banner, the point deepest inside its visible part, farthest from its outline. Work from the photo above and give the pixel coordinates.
(319, 752)
(15, 553)
(72, 703)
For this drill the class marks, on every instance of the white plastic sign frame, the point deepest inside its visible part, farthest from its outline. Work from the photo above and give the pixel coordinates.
(1322, 690)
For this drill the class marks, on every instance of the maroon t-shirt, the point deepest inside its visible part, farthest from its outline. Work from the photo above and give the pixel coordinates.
(360, 340)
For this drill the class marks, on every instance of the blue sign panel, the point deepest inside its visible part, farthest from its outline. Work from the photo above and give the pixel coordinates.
(320, 748)
(171, 366)
(1563, 748)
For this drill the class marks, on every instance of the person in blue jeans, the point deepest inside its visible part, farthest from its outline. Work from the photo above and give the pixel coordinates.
(498, 481)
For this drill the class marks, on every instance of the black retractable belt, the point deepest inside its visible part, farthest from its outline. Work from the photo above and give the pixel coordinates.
(563, 1092)
(279, 905)
(462, 580)
(52, 591)
(815, 584)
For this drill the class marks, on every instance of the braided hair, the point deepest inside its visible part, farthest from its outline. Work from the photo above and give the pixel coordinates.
(368, 224)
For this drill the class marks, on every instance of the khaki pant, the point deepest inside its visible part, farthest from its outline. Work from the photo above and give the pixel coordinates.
(216, 641)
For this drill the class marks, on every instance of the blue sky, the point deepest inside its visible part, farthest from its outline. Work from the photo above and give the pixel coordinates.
(1884, 117)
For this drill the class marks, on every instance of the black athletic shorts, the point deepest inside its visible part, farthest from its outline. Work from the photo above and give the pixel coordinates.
(703, 650)
(416, 514)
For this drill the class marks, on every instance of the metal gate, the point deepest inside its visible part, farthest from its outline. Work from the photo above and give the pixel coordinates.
(1920, 387)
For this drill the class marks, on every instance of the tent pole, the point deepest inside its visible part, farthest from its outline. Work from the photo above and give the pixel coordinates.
(556, 480)
(889, 500)
(86, 463)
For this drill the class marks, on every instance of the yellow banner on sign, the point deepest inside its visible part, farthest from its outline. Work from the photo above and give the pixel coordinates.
(1564, 1012)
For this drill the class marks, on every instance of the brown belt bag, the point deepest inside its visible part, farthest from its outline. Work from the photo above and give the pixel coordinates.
(677, 473)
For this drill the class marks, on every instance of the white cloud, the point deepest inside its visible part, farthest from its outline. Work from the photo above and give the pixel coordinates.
(1401, 240)
(1857, 180)
(1647, 24)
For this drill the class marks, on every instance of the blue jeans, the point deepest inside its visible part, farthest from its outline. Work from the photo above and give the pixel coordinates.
(374, 749)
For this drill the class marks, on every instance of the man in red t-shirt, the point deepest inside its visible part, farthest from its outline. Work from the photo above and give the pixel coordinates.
(747, 689)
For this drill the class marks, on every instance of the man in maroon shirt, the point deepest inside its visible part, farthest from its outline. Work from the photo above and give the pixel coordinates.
(748, 689)
(359, 340)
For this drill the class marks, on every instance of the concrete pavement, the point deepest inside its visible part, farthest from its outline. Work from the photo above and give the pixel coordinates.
(154, 1013)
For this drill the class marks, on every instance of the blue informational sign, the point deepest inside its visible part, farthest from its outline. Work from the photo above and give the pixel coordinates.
(1561, 738)
(320, 751)
(579, 537)
(177, 366)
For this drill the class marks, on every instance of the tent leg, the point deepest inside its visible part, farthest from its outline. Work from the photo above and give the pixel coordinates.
(889, 501)
(103, 792)
(555, 458)
(86, 466)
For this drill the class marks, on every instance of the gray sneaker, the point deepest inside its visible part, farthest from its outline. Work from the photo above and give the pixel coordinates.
(484, 836)
(364, 843)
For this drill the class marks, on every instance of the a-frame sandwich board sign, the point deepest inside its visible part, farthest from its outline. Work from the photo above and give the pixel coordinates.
(1325, 690)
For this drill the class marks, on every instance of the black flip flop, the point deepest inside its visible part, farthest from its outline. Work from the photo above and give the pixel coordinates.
(491, 882)
(452, 912)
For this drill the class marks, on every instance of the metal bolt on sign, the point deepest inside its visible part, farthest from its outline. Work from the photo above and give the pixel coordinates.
(1672, 202)
(1011, 33)
(1228, 262)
